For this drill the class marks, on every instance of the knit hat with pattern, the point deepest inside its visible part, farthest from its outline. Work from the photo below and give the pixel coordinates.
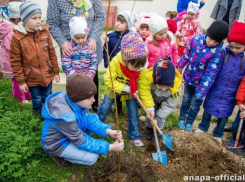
(80, 87)
(218, 30)
(132, 46)
(130, 17)
(28, 9)
(193, 8)
(237, 33)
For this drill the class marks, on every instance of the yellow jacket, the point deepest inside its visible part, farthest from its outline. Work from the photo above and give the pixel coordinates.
(120, 81)
(177, 83)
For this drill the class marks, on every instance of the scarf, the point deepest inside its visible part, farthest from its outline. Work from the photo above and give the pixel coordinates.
(133, 76)
(80, 113)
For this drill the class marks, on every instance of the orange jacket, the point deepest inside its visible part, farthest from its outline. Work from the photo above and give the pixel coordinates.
(32, 57)
(240, 96)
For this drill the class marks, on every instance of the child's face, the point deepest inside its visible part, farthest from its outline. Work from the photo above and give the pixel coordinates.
(162, 34)
(191, 16)
(161, 87)
(86, 103)
(80, 39)
(131, 67)
(120, 26)
(34, 22)
(236, 47)
(211, 42)
(144, 32)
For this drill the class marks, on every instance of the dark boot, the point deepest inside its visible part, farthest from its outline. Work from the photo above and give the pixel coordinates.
(149, 134)
(228, 127)
(60, 161)
(158, 136)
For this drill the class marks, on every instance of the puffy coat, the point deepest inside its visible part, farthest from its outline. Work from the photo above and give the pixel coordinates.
(240, 96)
(114, 45)
(6, 32)
(220, 100)
(61, 127)
(120, 81)
(32, 57)
(203, 64)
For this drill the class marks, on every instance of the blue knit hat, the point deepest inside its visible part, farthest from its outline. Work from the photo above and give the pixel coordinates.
(28, 9)
(164, 72)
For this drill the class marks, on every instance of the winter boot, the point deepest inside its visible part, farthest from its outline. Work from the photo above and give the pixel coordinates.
(149, 134)
(60, 161)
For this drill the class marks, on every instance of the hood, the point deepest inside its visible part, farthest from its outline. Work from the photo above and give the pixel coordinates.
(5, 28)
(56, 108)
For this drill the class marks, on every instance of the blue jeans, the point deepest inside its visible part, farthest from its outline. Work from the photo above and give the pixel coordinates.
(235, 126)
(76, 156)
(39, 95)
(205, 123)
(190, 105)
(133, 118)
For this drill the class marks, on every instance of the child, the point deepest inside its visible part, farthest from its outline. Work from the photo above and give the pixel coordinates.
(6, 32)
(32, 56)
(82, 60)
(165, 89)
(129, 71)
(125, 21)
(220, 100)
(144, 30)
(67, 116)
(162, 43)
(203, 58)
(188, 28)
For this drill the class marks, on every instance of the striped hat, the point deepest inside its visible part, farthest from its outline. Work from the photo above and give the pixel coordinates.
(132, 46)
(28, 9)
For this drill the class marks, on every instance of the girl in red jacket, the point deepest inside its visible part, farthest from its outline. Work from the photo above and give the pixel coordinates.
(162, 43)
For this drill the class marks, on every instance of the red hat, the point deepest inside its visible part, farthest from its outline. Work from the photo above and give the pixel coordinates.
(172, 25)
(237, 33)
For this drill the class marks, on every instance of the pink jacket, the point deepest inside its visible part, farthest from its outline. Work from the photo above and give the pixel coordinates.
(165, 48)
(6, 32)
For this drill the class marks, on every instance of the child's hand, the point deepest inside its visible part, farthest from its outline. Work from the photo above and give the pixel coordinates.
(241, 107)
(24, 88)
(57, 78)
(180, 69)
(114, 134)
(116, 146)
(180, 35)
(152, 114)
(242, 115)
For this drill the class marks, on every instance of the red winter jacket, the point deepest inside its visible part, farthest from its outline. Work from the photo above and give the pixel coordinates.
(240, 96)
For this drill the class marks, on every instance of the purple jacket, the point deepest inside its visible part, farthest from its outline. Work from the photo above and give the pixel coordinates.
(220, 100)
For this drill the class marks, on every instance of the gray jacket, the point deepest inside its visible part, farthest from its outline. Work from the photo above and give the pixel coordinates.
(221, 8)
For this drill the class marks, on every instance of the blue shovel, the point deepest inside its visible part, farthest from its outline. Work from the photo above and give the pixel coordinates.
(159, 156)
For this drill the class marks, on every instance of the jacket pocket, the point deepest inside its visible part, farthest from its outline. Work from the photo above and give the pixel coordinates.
(51, 70)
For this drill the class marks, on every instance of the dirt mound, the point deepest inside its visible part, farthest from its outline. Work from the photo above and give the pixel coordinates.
(194, 155)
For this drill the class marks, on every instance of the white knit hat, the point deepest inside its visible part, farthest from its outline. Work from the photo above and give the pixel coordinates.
(130, 17)
(193, 8)
(157, 23)
(78, 25)
(14, 9)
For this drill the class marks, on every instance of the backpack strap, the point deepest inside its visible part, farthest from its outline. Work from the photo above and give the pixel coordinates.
(243, 59)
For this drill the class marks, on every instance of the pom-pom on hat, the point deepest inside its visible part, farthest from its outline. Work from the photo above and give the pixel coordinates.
(80, 87)
(164, 72)
(130, 17)
(14, 9)
(132, 46)
(237, 33)
(78, 25)
(157, 23)
(193, 8)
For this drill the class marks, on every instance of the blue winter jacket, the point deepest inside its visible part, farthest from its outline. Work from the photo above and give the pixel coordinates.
(220, 100)
(114, 45)
(61, 127)
(182, 5)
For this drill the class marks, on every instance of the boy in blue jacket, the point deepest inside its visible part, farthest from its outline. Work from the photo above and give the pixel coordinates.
(67, 117)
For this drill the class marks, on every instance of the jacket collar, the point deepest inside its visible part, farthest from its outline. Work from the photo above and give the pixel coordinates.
(118, 34)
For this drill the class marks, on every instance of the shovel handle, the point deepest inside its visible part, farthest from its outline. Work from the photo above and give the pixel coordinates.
(147, 113)
(156, 138)
(238, 132)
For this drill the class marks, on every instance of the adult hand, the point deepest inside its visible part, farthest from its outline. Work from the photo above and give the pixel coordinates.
(180, 69)
(116, 146)
(241, 107)
(24, 88)
(92, 45)
(114, 134)
(57, 78)
(66, 49)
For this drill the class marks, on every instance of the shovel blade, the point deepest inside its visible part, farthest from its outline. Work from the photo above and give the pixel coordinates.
(160, 157)
(168, 141)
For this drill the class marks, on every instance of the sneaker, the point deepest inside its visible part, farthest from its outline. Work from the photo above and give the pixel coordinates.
(60, 161)
(138, 143)
(181, 124)
(231, 144)
(149, 134)
(188, 127)
(199, 131)
(218, 139)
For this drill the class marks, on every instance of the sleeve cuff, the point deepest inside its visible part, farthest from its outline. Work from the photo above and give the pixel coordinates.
(151, 109)
(126, 89)
(239, 102)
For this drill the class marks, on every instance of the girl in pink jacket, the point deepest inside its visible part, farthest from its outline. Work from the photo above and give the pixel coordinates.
(162, 43)
(6, 32)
